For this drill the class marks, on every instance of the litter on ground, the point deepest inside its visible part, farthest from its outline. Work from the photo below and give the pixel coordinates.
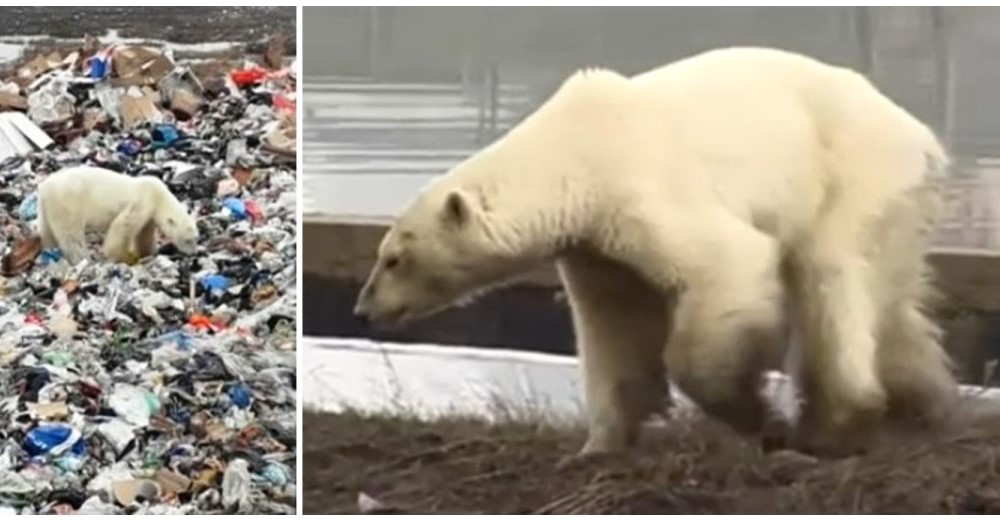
(167, 386)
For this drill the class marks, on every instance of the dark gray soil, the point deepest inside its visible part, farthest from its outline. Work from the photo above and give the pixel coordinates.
(467, 467)
(175, 24)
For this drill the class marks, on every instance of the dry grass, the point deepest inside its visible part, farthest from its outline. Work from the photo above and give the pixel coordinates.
(464, 466)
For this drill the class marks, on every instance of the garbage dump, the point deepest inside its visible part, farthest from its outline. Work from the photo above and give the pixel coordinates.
(166, 385)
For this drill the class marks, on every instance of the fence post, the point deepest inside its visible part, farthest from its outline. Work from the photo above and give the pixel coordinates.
(945, 60)
(374, 37)
(494, 93)
(863, 33)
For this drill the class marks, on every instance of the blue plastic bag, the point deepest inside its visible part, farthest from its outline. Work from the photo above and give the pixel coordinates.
(240, 395)
(215, 284)
(54, 439)
(236, 207)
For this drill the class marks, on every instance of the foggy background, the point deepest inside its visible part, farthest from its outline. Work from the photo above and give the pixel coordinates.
(395, 95)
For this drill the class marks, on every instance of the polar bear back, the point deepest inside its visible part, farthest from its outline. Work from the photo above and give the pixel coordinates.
(96, 195)
(766, 132)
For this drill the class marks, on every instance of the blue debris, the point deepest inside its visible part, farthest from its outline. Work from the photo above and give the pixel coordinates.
(237, 207)
(100, 66)
(28, 210)
(54, 439)
(129, 147)
(182, 339)
(240, 395)
(50, 256)
(165, 136)
(216, 284)
(276, 474)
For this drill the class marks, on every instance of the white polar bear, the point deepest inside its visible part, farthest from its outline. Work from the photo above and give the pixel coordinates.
(747, 181)
(127, 210)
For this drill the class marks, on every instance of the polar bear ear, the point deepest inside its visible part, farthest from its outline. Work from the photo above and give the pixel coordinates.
(456, 209)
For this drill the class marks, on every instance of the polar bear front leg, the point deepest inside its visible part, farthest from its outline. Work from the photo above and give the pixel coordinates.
(60, 226)
(145, 241)
(729, 327)
(725, 339)
(124, 230)
(72, 240)
(621, 324)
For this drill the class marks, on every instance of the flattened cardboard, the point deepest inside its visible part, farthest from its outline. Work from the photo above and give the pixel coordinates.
(10, 101)
(139, 106)
(136, 65)
(185, 104)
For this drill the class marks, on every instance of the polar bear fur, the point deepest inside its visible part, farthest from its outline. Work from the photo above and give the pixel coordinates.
(769, 191)
(126, 210)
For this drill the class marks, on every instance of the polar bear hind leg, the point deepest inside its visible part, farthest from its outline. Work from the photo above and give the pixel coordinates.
(838, 292)
(912, 362)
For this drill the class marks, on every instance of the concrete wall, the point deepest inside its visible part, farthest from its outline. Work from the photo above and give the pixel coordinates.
(532, 315)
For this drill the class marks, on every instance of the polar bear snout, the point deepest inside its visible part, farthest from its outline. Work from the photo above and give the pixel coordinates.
(362, 307)
(380, 316)
(188, 247)
(374, 308)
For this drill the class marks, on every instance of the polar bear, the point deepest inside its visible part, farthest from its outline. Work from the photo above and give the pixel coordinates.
(770, 192)
(127, 210)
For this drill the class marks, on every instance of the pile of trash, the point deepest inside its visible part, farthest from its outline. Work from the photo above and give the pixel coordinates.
(167, 386)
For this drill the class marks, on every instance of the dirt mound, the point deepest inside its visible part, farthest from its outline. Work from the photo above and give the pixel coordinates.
(468, 467)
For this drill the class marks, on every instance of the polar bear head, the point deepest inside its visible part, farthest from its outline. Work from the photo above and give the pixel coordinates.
(183, 232)
(439, 251)
(177, 224)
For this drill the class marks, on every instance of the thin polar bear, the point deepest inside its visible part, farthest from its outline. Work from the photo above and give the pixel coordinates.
(126, 210)
(746, 180)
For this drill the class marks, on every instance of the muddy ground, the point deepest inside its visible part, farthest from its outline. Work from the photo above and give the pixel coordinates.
(175, 24)
(467, 467)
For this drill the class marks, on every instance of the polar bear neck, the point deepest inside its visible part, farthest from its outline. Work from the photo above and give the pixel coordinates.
(529, 209)
(539, 187)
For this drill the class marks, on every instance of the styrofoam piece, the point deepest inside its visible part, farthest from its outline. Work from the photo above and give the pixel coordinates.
(20, 136)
